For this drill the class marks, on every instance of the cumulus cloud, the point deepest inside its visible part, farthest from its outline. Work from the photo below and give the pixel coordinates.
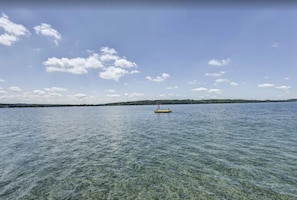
(72, 65)
(234, 84)
(12, 31)
(222, 81)
(15, 89)
(111, 65)
(216, 74)
(113, 73)
(215, 62)
(202, 89)
(161, 78)
(2, 92)
(283, 87)
(113, 95)
(7, 39)
(107, 50)
(55, 89)
(39, 92)
(1, 80)
(134, 72)
(47, 30)
(218, 91)
(80, 95)
(124, 63)
(266, 85)
(109, 58)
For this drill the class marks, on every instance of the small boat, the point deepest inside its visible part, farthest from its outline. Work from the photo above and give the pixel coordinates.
(158, 110)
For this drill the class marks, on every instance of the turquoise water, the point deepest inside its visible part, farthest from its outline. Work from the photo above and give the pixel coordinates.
(215, 151)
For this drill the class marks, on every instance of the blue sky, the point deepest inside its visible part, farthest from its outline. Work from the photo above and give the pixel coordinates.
(106, 54)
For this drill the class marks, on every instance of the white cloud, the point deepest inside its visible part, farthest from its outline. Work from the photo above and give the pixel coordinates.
(1, 80)
(216, 74)
(113, 95)
(266, 85)
(112, 66)
(287, 78)
(73, 65)
(39, 92)
(47, 30)
(218, 91)
(2, 91)
(134, 72)
(222, 81)
(219, 62)
(50, 92)
(7, 39)
(108, 57)
(107, 50)
(12, 31)
(55, 89)
(80, 95)
(159, 78)
(15, 89)
(113, 73)
(234, 84)
(200, 89)
(124, 63)
(54, 94)
(284, 87)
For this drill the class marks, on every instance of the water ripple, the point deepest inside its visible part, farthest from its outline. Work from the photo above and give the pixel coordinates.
(226, 151)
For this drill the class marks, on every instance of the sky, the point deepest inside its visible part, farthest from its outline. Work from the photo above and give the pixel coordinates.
(101, 54)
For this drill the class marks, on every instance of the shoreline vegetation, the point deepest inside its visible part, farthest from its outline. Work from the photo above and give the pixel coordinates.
(146, 102)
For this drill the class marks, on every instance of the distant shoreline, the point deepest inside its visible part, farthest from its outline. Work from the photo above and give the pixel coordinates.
(146, 102)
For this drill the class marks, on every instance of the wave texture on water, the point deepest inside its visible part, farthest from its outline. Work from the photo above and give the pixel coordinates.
(219, 151)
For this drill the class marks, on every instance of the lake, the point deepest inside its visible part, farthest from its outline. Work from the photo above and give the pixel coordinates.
(212, 151)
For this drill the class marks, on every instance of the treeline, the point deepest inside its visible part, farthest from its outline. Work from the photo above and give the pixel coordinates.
(42, 105)
(149, 102)
(191, 101)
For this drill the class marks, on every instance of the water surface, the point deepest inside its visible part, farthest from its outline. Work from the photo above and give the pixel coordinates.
(214, 151)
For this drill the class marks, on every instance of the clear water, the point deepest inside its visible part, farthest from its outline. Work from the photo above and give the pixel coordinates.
(218, 151)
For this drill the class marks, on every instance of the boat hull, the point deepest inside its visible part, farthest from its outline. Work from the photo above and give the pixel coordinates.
(163, 111)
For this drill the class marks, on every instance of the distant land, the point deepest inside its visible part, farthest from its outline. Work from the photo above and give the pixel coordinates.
(148, 102)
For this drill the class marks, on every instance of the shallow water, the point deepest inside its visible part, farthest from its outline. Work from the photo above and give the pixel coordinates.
(214, 151)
